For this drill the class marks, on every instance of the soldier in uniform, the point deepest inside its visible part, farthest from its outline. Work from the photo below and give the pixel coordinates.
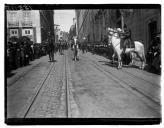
(75, 48)
(50, 49)
(126, 38)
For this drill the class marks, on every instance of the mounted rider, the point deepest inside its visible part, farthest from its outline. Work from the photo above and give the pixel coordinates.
(126, 39)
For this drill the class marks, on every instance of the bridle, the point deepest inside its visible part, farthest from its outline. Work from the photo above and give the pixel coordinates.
(112, 35)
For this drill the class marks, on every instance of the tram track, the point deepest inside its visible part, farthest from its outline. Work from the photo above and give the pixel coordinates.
(135, 77)
(72, 107)
(130, 87)
(67, 89)
(139, 78)
(27, 108)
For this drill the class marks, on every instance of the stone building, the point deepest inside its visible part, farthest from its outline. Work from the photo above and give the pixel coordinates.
(24, 23)
(73, 29)
(47, 25)
(93, 23)
(144, 24)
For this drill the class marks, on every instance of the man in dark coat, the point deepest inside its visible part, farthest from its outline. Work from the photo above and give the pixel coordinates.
(50, 49)
(126, 39)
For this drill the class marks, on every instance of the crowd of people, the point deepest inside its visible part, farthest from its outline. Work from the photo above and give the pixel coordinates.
(21, 51)
(154, 55)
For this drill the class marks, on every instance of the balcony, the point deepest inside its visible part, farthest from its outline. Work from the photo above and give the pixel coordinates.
(13, 24)
(27, 24)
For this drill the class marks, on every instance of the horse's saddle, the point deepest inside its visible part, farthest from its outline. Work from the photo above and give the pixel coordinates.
(129, 43)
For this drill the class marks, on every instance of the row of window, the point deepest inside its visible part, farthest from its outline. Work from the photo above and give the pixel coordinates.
(13, 16)
(16, 23)
(15, 32)
(27, 31)
(13, 19)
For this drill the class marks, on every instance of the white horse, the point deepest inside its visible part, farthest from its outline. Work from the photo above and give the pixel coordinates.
(114, 39)
(75, 49)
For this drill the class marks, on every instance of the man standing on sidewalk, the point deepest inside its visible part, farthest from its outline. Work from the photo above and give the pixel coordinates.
(50, 49)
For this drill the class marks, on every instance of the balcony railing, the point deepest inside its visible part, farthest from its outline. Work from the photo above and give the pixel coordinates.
(27, 24)
(13, 23)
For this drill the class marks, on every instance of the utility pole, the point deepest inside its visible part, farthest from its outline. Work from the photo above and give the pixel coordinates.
(122, 19)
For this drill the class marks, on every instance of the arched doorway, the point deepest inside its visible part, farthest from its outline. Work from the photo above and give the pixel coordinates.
(152, 30)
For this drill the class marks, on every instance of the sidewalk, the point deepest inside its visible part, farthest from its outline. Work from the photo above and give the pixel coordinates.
(20, 72)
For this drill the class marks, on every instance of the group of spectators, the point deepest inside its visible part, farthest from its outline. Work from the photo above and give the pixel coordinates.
(21, 51)
(153, 55)
(97, 48)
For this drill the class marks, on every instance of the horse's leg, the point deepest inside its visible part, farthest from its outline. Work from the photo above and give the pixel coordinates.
(113, 58)
(141, 57)
(119, 61)
(143, 60)
(75, 55)
(131, 57)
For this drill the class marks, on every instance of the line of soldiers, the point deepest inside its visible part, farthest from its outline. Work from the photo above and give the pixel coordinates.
(52, 48)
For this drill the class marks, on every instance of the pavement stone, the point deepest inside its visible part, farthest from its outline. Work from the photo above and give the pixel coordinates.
(92, 93)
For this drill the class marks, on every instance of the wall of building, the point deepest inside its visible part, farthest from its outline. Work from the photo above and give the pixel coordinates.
(23, 19)
(139, 21)
(98, 20)
(94, 26)
(47, 25)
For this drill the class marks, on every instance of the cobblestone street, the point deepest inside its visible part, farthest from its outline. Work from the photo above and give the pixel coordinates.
(91, 87)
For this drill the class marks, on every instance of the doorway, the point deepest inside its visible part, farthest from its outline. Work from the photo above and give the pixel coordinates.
(152, 29)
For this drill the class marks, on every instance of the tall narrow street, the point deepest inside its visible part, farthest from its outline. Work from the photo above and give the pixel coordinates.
(90, 87)
(83, 63)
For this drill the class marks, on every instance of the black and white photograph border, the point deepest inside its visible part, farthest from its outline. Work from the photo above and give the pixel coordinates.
(47, 71)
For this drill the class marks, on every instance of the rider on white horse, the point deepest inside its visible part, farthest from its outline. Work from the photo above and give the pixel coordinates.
(115, 40)
(126, 39)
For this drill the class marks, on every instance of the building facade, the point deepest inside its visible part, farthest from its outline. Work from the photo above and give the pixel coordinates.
(92, 24)
(73, 29)
(24, 23)
(47, 25)
(144, 24)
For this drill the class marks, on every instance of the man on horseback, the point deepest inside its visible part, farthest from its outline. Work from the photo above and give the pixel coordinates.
(126, 39)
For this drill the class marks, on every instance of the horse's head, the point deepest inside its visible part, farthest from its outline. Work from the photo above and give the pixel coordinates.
(111, 33)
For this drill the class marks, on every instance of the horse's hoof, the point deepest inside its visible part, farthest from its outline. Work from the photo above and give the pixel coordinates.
(143, 68)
